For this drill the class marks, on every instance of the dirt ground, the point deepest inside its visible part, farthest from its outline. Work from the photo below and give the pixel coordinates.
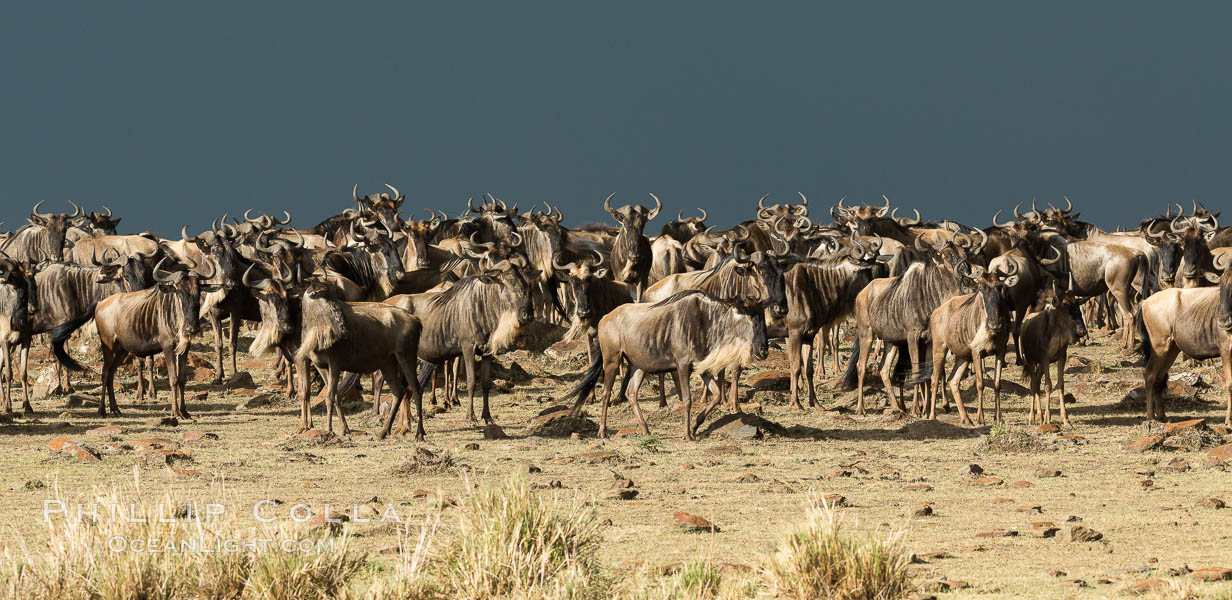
(1149, 506)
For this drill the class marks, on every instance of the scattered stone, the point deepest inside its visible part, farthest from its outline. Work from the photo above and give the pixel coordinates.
(1152, 585)
(1045, 531)
(174, 473)
(196, 436)
(1222, 429)
(622, 494)
(1179, 426)
(1147, 443)
(471, 446)
(996, 533)
(1174, 465)
(686, 466)
(835, 500)
(532, 469)
(747, 478)
(1048, 428)
(923, 510)
(692, 523)
(34, 484)
(776, 380)
(152, 443)
(1002, 500)
(1219, 455)
(598, 456)
(831, 474)
(1215, 503)
(1022, 484)
(163, 422)
(1213, 574)
(971, 469)
(318, 436)
(258, 401)
(988, 481)
(492, 431)
(625, 432)
(1034, 509)
(106, 430)
(1042, 473)
(241, 380)
(919, 487)
(328, 522)
(1078, 533)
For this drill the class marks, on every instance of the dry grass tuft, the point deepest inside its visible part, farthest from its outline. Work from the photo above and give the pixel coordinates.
(426, 461)
(1012, 441)
(821, 560)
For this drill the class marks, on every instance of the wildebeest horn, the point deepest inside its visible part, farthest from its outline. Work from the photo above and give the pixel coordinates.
(394, 190)
(877, 248)
(248, 215)
(287, 216)
(806, 222)
(704, 214)
(516, 236)
(1049, 261)
(994, 220)
(485, 245)
(249, 282)
(658, 206)
(842, 209)
(983, 240)
(210, 264)
(108, 211)
(354, 194)
(76, 209)
(1017, 214)
(1010, 270)
(881, 212)
(962, 240)
(1151, 233)
(559, 267)
(742, 238)
(917, 245)
(1195, 206)
(1178, 229)
(34, 211)
(598, 258)
(607, 205)
(160, 276)
(803, 200)
(184, 233)
(761, 202)
(1220, 261)
(1069, 206)
(470, 206)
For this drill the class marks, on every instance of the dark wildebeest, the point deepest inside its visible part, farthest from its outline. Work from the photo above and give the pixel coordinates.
(631, 256)
(1032, 277)
(383, 206)
(18, 300)
(1046, 336)
(687, 332)
(820, 295)
(163, 319)
(480, 316)
(970, 327)
(897, 310)
(45, 238)
(593, 295)
(372, 270)
(1196, 321)
(682, 229)
(100, 223)
(357, 337)
(278, 301)
(1196, 269)
(1095, 268)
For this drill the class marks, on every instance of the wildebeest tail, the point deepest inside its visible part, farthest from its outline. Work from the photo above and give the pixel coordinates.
(589, 380)
(425, 373)
(902, 364)
(60, 335)
(848, 382)
(1144, 345)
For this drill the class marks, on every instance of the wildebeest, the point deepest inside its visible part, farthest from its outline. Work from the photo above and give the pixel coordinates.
(479, 316)
(45, 238)
(687, 332)
(819, 295)
(1046, 337)
(970, 327)
(357, 337)
(631, 255)
(383, 206)
(18, 300)
(163, 319)
(593, 295)
(371, 270)
(1196, 321)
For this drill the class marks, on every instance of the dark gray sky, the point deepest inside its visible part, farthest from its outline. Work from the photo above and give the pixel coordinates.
(173, 113)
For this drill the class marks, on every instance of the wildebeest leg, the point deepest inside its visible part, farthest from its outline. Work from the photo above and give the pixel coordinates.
(887, 365)
(960, 370)
(216, 322)
(998, 362)
(735, 389)
(235, 339)
(794, 350)
(808, 373)
(378, 380)
(409, 365)
(169, 360)
(457, 366)
(331, 392)
(7, 370)
(1061, 385)
(1033, 376)
(939, 351)
(913, 352)
(686, 398)
(25, 381)
(111, 361)
(1155, 373)
(978, 360)
(468, 358)
(305, 394)
(485, 373)
(610, 367)
(863, 343)
(634, 383)
(711, 388)
(662, 391)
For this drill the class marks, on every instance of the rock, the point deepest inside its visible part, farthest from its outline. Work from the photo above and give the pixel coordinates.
(831, 474)
(1048, 428)
(598, 456)
(163, 422)
(771, 380)
(241, 380)
(152, 443)
(686, 466)
(1031, 508)
(1219, 455)
(168, 457)
(1214, 503)
(971, 469)
(1042, 473)
(1143, 587)
(1179, 426)
(1022, 484)
(919, 487)
(922, 510)
(258, 401)
(834, 500)
(471, 446)
(1078, 533)
(492, 431)
(317, 436)
(1213, 574)
(331, 522)
(625, 432)
(1002, 500)
(988, 481)
(1048, 531)
(622, 494)
(1147, 443)
(622, 483)
(692, 523)
(747, 478)
(1174, 465)
(532, 469)
(196, 436)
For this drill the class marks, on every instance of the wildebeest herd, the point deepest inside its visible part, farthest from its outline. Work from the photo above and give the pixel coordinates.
(367, 291)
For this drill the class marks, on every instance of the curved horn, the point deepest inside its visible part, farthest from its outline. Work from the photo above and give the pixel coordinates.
(184, 233)
(803, 199)
(807, 222)
(744, 237)
(1049, 261)
(516, 236)
(658, 206)
(397, 194)
(484, 245)
(877, 248)
(76, 209)
(994, 220)
(983, 240)
(213, 270)
(161, 277)
(881, 212)
(1069, 206)
(680, 215)
(354, 194)
(1220, 261)
(559, 267)
(108, 211)
(607, 204)
(287, 218)
(1178, 229)
(1017, 214)
(248, 282)
(761, 202)
(470, 206)
(704, 214)
(34, 211)
(917, 245)
(248, 215)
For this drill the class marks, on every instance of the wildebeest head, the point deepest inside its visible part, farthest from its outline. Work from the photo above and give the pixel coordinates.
(514, 274)
(383, 253)
(580, 276)
(57, 226)
(683, 228)
(544, 238)
(384, 206)
(774, 213)
(21, 276)
(1060, 219)
(418, 232)
(216, 248)
(100, 222)
(272, 292)
(991, 286)
(133, 272)
(859, 219)
(1157, 233)
(633, 219)
(768, 268)
(495, 218)
(184, 286)
(1193, 233)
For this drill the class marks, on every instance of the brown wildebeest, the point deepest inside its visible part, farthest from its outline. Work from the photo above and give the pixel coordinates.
(161, 319)
(631, 255)
(480, 316)
(45, 238)
(593, 295)
(1094, 268)
(383, 206)
(1046, 336)
(279, 330)
(18, 299)
(357, 337)
(1196, 321)
(970, 327)
(819, 295)
(690, 331)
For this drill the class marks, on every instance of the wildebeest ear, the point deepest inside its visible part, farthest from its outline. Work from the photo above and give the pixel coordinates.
(1011, 281)
(210, 288)
(1212, 277)
(601, 273)
(1208, 236)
